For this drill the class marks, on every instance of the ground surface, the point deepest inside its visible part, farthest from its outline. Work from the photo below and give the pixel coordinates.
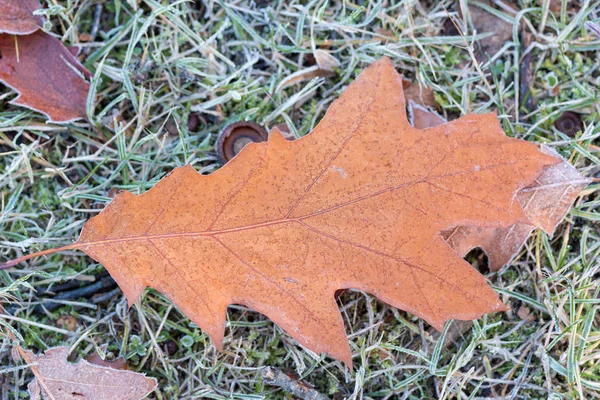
(156, 64)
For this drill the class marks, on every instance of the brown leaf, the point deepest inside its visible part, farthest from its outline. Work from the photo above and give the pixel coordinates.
(422, 118)
(46, 74)
(358, 203)
(545, 201)
(16, 16)
(117, 363)
(326, 64)
(299, 389)
(486, 22)
(525, 314)
(59, 379)
(325, 60)
(303, 75)
(418, 94)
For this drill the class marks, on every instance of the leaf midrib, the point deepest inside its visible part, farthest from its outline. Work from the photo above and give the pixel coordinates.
(282, 220)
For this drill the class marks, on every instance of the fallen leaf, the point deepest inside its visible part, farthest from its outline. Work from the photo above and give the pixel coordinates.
(325, 60)
(525, 314)
(291, 384)
(56, 378)
(421, 117)
(358, 203)
(485, 22)
(303, 75)
(419, 94)
(46, 74)
(16, 16)
(75, 50)
(545, 202)
(326, 64)
(117, 363)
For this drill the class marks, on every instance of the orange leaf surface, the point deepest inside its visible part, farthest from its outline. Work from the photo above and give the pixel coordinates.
(46, 74)
(56, 378)
(545, 201)
(16, 16)
(358, 203)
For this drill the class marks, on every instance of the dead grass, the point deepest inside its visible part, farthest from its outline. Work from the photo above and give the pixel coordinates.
(159, 60)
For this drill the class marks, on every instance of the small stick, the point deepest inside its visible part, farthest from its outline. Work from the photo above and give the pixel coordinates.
(276, 377)
(106, 282)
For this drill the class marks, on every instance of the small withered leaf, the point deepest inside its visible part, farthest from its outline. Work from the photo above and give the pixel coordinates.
(55, 378)
(421, 117)
(117, 363)
(47, 76)
(17, 18)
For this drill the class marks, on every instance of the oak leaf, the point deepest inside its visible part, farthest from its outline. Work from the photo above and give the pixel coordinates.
(358, 203)
(47, 76)
(17, 18)
(546, 202)
(56, 378)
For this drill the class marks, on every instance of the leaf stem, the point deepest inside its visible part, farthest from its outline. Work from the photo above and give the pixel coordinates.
(12, 263)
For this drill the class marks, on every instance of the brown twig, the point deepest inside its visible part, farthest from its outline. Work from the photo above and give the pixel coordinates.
(527, 102)
(104, 283)
(102, 286)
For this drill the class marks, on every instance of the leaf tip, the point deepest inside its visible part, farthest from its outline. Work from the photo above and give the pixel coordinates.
(132, 294)
(502, 308)
(276, 136)
(347, 360)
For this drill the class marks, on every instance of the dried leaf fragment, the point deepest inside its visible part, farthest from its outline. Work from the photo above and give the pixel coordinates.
(421, 117)
(486, 22)
(56, 378)
(17, 18)
(418, 94)
(96, 359)
(47, 76)
(546, 202)
(299, 389)
(325, 60)
(359, 203)
(326, 64)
